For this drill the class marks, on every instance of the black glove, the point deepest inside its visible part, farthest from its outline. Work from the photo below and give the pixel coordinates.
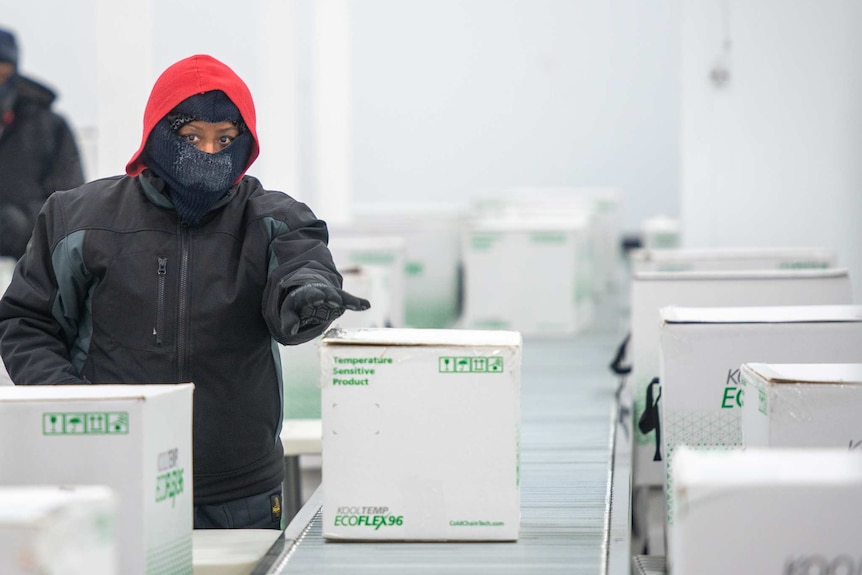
(317, 304)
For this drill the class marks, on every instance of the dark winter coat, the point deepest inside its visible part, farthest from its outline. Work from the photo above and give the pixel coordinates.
(38, 156)
(114, 289)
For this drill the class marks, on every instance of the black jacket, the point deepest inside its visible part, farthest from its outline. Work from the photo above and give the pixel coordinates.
(114, 289)
(38, 156)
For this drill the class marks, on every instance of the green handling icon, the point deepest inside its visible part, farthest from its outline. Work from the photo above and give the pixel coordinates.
(447, 364)
(471, 364)
(75, 424)
(85, 423)
(97, 423)
(52, 423)
(118, 422)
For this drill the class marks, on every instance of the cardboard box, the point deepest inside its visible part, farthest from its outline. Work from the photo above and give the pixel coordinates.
(61, 530)
(661, 232)
(236, 551)
(135, 439)
(802, 405)
(421, 434)
(300, 364)
(372, 283)
(717, 259)
(651, 291)
(601, 205)
(383, 256)
(528, 274)
(782, 511)
(702, 349)
(432, 259)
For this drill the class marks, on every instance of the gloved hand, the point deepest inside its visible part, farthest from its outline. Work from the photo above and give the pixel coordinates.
(317, 304)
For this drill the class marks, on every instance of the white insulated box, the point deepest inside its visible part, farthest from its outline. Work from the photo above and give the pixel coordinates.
(58, 530)
(759, 511)
(384, 256)
(529, 274)
(134, 439)
(702, 349)
(651, 291)
(300, 364)
(661, 232)
(802, 404)
(371, 283)
(602, 205)
(717, 259)
(421, 434)
(432, 255)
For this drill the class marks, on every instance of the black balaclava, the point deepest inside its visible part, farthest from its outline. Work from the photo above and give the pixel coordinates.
(197, 180)
(8, 89)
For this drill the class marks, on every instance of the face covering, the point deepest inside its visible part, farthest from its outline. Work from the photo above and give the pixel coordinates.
(196, 180)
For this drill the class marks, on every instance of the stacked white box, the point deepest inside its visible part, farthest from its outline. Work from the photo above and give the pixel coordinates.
(702, 349)
(135, 439)
(718, 259)
(601, 205)
(527, 274)
(661, 232)
(61, 530)
(371, 283)
(802, 404)
(651, 291)
(384, 256)
(432, 260)
(300, 364)
(421, 434)
(783, 511)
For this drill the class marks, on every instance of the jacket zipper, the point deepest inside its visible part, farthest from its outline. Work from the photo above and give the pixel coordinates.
(160, 302)
(182, 316)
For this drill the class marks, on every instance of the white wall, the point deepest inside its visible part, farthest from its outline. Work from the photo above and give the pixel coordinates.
(453, 96)
(443, 97)
(774, 158)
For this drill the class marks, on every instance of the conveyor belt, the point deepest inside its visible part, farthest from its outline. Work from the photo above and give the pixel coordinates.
(575, 476)
(649, 565)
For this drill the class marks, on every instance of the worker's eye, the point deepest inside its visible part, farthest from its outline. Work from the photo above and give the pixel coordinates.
(226, 140)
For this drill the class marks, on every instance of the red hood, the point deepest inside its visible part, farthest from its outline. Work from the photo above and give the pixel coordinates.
(195, 75)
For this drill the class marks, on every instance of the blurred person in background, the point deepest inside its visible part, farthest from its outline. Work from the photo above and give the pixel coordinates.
(38, 154)
(185, 269)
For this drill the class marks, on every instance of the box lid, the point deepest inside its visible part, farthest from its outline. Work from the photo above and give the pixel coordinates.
(834, 373)
(26, 503)
(739, 275)
(762, 314)
(718, 254)
(87, 392)
(424, 337)
(530, 223)
(765, 466)
(353, 240)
